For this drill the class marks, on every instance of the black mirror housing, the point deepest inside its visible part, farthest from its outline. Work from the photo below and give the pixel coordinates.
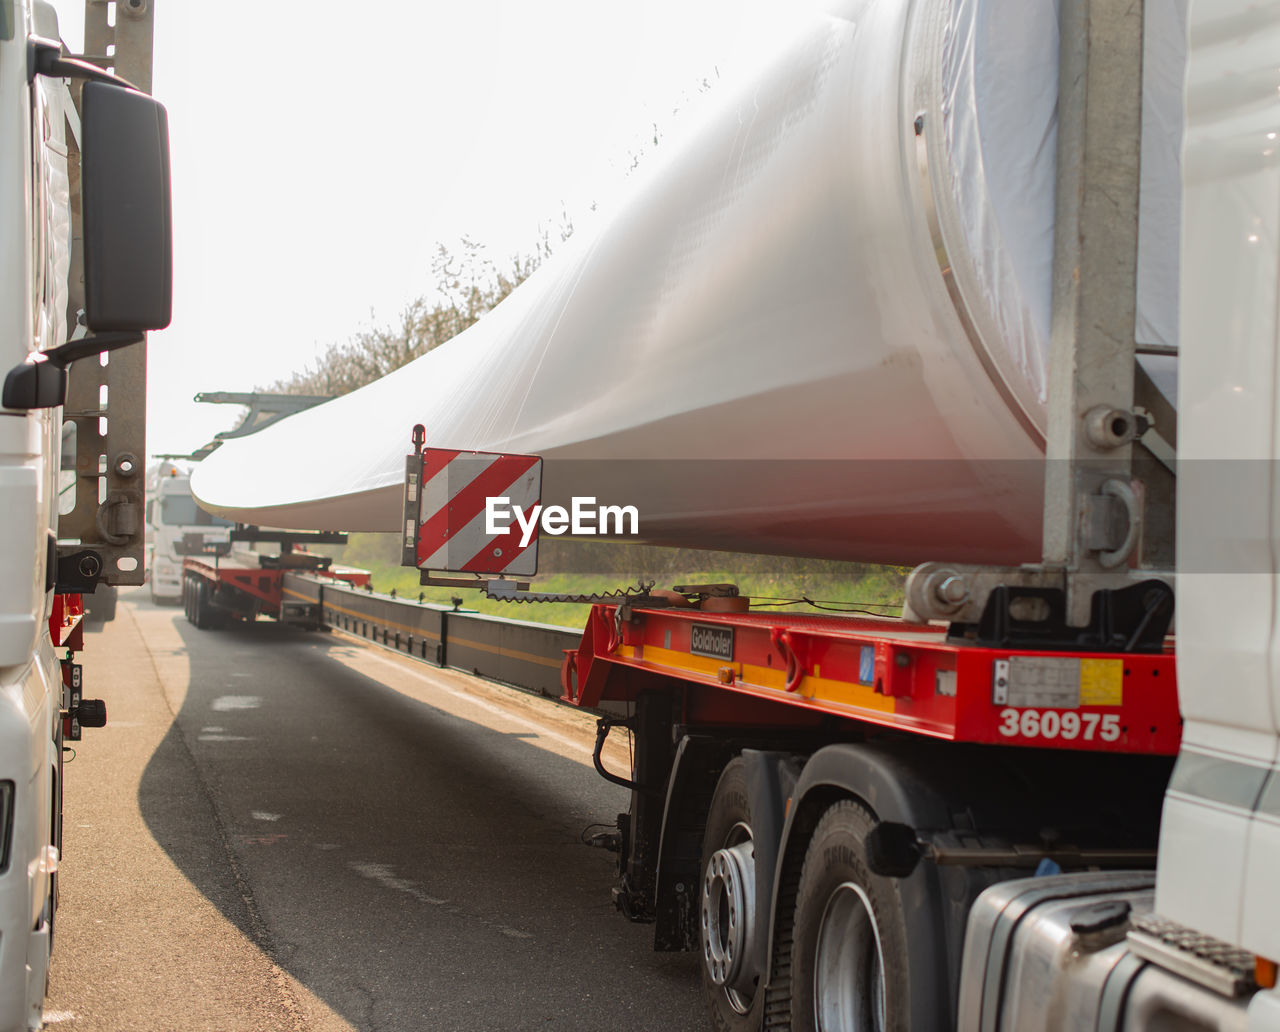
(128, 232)
(35, 385)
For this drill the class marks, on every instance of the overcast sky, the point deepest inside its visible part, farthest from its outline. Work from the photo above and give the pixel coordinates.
(321, 149)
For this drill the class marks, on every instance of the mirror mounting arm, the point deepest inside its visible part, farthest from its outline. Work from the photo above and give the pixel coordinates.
(94, 344)
(44, 57)
(41, 381)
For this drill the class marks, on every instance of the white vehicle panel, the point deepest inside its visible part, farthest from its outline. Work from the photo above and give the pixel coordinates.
(1264, 1012)
(1218, 862)
(26, 730)
(34, 254)
(1196, 838)
(1261, 888)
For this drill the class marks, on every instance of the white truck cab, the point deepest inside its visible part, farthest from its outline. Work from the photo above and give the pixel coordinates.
(1220, 838)
(178, 527)
(72, 137)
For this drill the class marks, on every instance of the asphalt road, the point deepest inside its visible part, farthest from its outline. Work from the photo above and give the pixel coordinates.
(295, 831)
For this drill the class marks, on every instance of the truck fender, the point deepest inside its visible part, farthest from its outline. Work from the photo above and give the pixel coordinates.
(772, 778)
(897, 787)
(698, 762)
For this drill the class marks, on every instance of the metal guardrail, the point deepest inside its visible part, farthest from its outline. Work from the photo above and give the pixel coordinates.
(516, 652)
(414, 628)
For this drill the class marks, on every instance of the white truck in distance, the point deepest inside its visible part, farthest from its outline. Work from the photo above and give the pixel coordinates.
(177, 527)
(84, 270)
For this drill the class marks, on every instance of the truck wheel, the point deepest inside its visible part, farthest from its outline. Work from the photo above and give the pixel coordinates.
(211, 617)
(727, 909)
(200, 605)
(849, 958)
(100, 606)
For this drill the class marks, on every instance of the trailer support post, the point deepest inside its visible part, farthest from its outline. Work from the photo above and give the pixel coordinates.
(654, 754)
(1091, 423)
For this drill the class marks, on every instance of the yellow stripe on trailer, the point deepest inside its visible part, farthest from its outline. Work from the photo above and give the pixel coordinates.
(812, 688)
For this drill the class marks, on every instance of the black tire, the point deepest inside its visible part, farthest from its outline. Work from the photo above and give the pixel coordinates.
(728, 824)
(212, 616)
(100, 607)
(200, 605)
(860, 981)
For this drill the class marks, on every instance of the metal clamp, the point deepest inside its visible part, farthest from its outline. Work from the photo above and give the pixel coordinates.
(1127, 497)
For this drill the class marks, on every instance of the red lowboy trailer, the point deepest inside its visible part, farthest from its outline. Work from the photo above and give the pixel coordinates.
(805, 784)
(243, 584)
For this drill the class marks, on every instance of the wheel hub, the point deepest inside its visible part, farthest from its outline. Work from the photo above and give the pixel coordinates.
(728, 915)
(849, 976)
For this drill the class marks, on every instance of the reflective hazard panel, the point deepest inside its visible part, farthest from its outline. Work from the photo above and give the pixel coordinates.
(474, 512)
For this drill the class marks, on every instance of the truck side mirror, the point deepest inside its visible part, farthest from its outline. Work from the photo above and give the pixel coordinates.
(128, 231)
(128, 238)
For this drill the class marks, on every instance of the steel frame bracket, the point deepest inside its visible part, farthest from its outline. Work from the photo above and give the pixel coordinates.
(1108, 506)
(104, 398)
(1027, 606)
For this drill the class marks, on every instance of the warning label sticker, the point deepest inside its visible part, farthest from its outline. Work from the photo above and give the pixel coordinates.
(1101, 682)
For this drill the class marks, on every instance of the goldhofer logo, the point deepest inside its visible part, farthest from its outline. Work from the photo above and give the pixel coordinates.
(711, 640)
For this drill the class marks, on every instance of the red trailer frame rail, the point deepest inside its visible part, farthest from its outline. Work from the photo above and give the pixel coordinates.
(66, 621)
(885, 672)
(265, 586)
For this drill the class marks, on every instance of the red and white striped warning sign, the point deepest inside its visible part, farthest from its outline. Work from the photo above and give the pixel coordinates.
(454, 510)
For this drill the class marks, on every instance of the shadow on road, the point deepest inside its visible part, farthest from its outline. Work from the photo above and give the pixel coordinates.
(412, 867)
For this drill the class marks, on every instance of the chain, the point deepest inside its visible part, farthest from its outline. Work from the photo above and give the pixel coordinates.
(637, 590)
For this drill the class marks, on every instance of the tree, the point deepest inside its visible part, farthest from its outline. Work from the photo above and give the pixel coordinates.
(467, 285)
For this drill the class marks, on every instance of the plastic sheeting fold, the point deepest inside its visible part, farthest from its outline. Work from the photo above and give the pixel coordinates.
(758, 348)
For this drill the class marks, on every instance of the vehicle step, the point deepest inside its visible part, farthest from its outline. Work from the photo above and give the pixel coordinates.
(1200, 958)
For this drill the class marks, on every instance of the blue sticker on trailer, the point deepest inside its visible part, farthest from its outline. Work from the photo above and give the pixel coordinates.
(867, 665)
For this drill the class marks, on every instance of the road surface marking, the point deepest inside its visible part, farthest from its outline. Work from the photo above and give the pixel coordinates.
(382, 874)
(227, 703)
